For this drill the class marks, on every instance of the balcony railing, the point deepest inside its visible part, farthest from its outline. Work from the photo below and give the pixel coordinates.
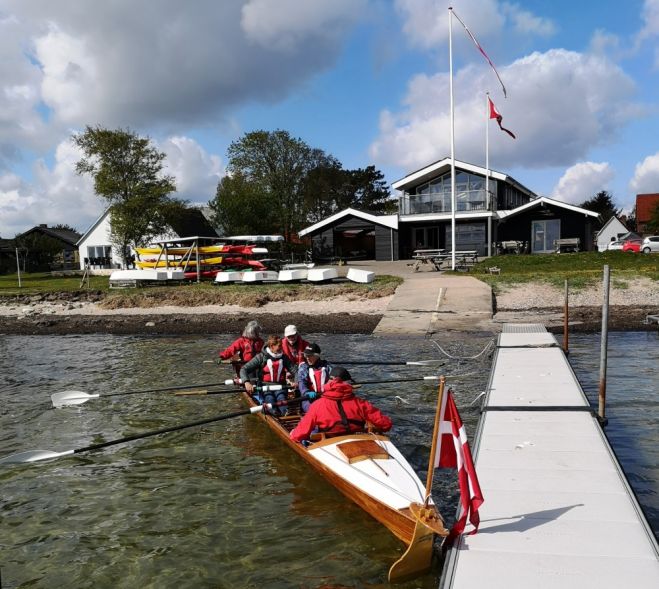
(440, 202)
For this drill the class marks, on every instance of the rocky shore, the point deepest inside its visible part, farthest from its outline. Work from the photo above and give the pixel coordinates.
(80, 313)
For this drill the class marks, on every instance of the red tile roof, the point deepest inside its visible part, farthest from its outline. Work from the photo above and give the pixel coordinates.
(645, 204)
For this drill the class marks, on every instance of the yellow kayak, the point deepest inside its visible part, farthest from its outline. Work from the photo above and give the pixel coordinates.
(203, 249)
(164, 263)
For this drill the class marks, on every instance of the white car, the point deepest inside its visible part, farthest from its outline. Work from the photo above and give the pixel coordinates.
(650, 244)
(614, 245)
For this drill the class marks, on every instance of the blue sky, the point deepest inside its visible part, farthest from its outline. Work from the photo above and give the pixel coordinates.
(364, 80)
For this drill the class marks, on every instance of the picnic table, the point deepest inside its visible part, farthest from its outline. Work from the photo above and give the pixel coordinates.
(428, 256)
(439, 258)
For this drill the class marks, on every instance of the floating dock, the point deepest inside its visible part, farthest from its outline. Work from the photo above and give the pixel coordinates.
(558, 511)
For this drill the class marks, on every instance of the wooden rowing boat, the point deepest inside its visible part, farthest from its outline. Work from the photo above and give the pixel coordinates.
(369, 470)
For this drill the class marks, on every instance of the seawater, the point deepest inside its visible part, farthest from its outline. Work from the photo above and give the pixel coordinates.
(228, 505)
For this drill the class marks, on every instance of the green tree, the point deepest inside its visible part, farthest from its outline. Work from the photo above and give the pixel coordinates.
(241, 206)
(602, 203)
(127, 172)
(652, 226)
(40, 250)
(370, 192)
(277, 165)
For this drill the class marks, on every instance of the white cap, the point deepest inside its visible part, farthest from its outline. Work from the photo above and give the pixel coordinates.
(290, 330)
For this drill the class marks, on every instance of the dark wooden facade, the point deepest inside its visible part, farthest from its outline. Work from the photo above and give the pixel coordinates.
(354, 238)
(519, 227)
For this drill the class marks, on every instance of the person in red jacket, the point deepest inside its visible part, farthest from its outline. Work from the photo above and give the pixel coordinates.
(339, 411)
(245, 347)
(293, 344)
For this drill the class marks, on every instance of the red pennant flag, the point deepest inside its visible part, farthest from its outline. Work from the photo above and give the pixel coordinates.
(478, 46)
(453, 452)
(495, 114)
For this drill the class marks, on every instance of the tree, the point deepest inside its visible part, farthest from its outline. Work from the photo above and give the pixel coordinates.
(278, 165)
(370, 192)
(127, 173)
(652, 226)
(65, 227)
(602, 203)
(241, 206)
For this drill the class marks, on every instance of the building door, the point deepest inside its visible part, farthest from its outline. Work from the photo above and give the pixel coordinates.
(425, 238)
(543, 234)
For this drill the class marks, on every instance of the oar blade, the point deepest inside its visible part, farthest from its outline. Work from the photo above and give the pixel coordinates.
(32, 456)
(66, 398)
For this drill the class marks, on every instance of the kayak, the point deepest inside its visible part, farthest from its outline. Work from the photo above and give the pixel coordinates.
(369, 470)
(169, 263)
(203, 249)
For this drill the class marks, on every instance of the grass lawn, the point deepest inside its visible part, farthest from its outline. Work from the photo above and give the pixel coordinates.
(582, 269)
(193, 294)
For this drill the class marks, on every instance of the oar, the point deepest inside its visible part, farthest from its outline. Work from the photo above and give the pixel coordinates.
(278, 387)
(385, 363)
(36, 455)
(65, 398)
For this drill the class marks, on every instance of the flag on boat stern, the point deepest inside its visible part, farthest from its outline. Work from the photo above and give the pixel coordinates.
(453, 452)
(495, 114)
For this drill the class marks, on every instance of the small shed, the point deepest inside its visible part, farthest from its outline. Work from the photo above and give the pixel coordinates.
(354, 235)
(613, 230)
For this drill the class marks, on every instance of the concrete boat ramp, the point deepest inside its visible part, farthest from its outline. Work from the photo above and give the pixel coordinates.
(558, 510)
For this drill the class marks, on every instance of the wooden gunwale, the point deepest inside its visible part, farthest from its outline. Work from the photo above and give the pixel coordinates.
(399, 522)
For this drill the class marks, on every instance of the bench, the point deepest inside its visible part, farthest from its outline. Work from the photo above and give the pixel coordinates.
(511, 247)
(567, 244)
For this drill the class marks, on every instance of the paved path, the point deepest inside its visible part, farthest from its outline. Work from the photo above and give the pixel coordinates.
(430, 302)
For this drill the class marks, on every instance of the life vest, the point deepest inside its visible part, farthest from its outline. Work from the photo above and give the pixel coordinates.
(294, 352)
(318, 377)
(274, 371)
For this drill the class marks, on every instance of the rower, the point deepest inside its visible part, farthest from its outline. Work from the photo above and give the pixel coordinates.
(270, 366)
(312, 375)
(245, 347)
(293, 344)
(339, 411)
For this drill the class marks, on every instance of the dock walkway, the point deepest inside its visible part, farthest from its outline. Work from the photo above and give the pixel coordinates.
(558, 511)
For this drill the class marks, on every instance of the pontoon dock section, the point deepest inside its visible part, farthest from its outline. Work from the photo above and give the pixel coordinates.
(558, 511)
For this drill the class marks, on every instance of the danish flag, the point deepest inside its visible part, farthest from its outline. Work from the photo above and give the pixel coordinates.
(453, 452)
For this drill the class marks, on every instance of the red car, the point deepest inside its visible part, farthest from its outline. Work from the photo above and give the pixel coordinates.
(632, 245)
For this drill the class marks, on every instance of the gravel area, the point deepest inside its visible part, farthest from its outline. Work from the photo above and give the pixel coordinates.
(535, 295)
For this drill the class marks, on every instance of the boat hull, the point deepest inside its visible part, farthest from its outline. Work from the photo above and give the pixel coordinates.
(399, 520)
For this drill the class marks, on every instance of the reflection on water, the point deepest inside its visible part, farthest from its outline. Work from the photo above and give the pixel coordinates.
(226, 505)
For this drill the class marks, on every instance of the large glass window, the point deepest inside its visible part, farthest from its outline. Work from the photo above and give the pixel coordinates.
(543, 234)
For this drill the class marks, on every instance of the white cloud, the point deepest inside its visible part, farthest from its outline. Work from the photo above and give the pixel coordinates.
(583, 181)
(196, 171)
(526, 22)
(425, 22)
(650, 16)
(560, 105)
(646, 176)
(284, 25)
(168, 64)
(59, 195)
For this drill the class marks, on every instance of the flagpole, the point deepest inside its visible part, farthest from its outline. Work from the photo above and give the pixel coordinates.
(487, 173)
(450, 86)
(435, 437)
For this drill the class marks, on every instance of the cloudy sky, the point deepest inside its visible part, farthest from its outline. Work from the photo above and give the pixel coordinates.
(365, 80)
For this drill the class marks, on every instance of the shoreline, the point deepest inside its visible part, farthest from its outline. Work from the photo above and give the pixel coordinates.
(83, 313)
(151, 322)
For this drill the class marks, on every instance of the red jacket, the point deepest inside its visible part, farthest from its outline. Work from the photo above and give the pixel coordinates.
(324, 413)
(247, 348)
(294, 352)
